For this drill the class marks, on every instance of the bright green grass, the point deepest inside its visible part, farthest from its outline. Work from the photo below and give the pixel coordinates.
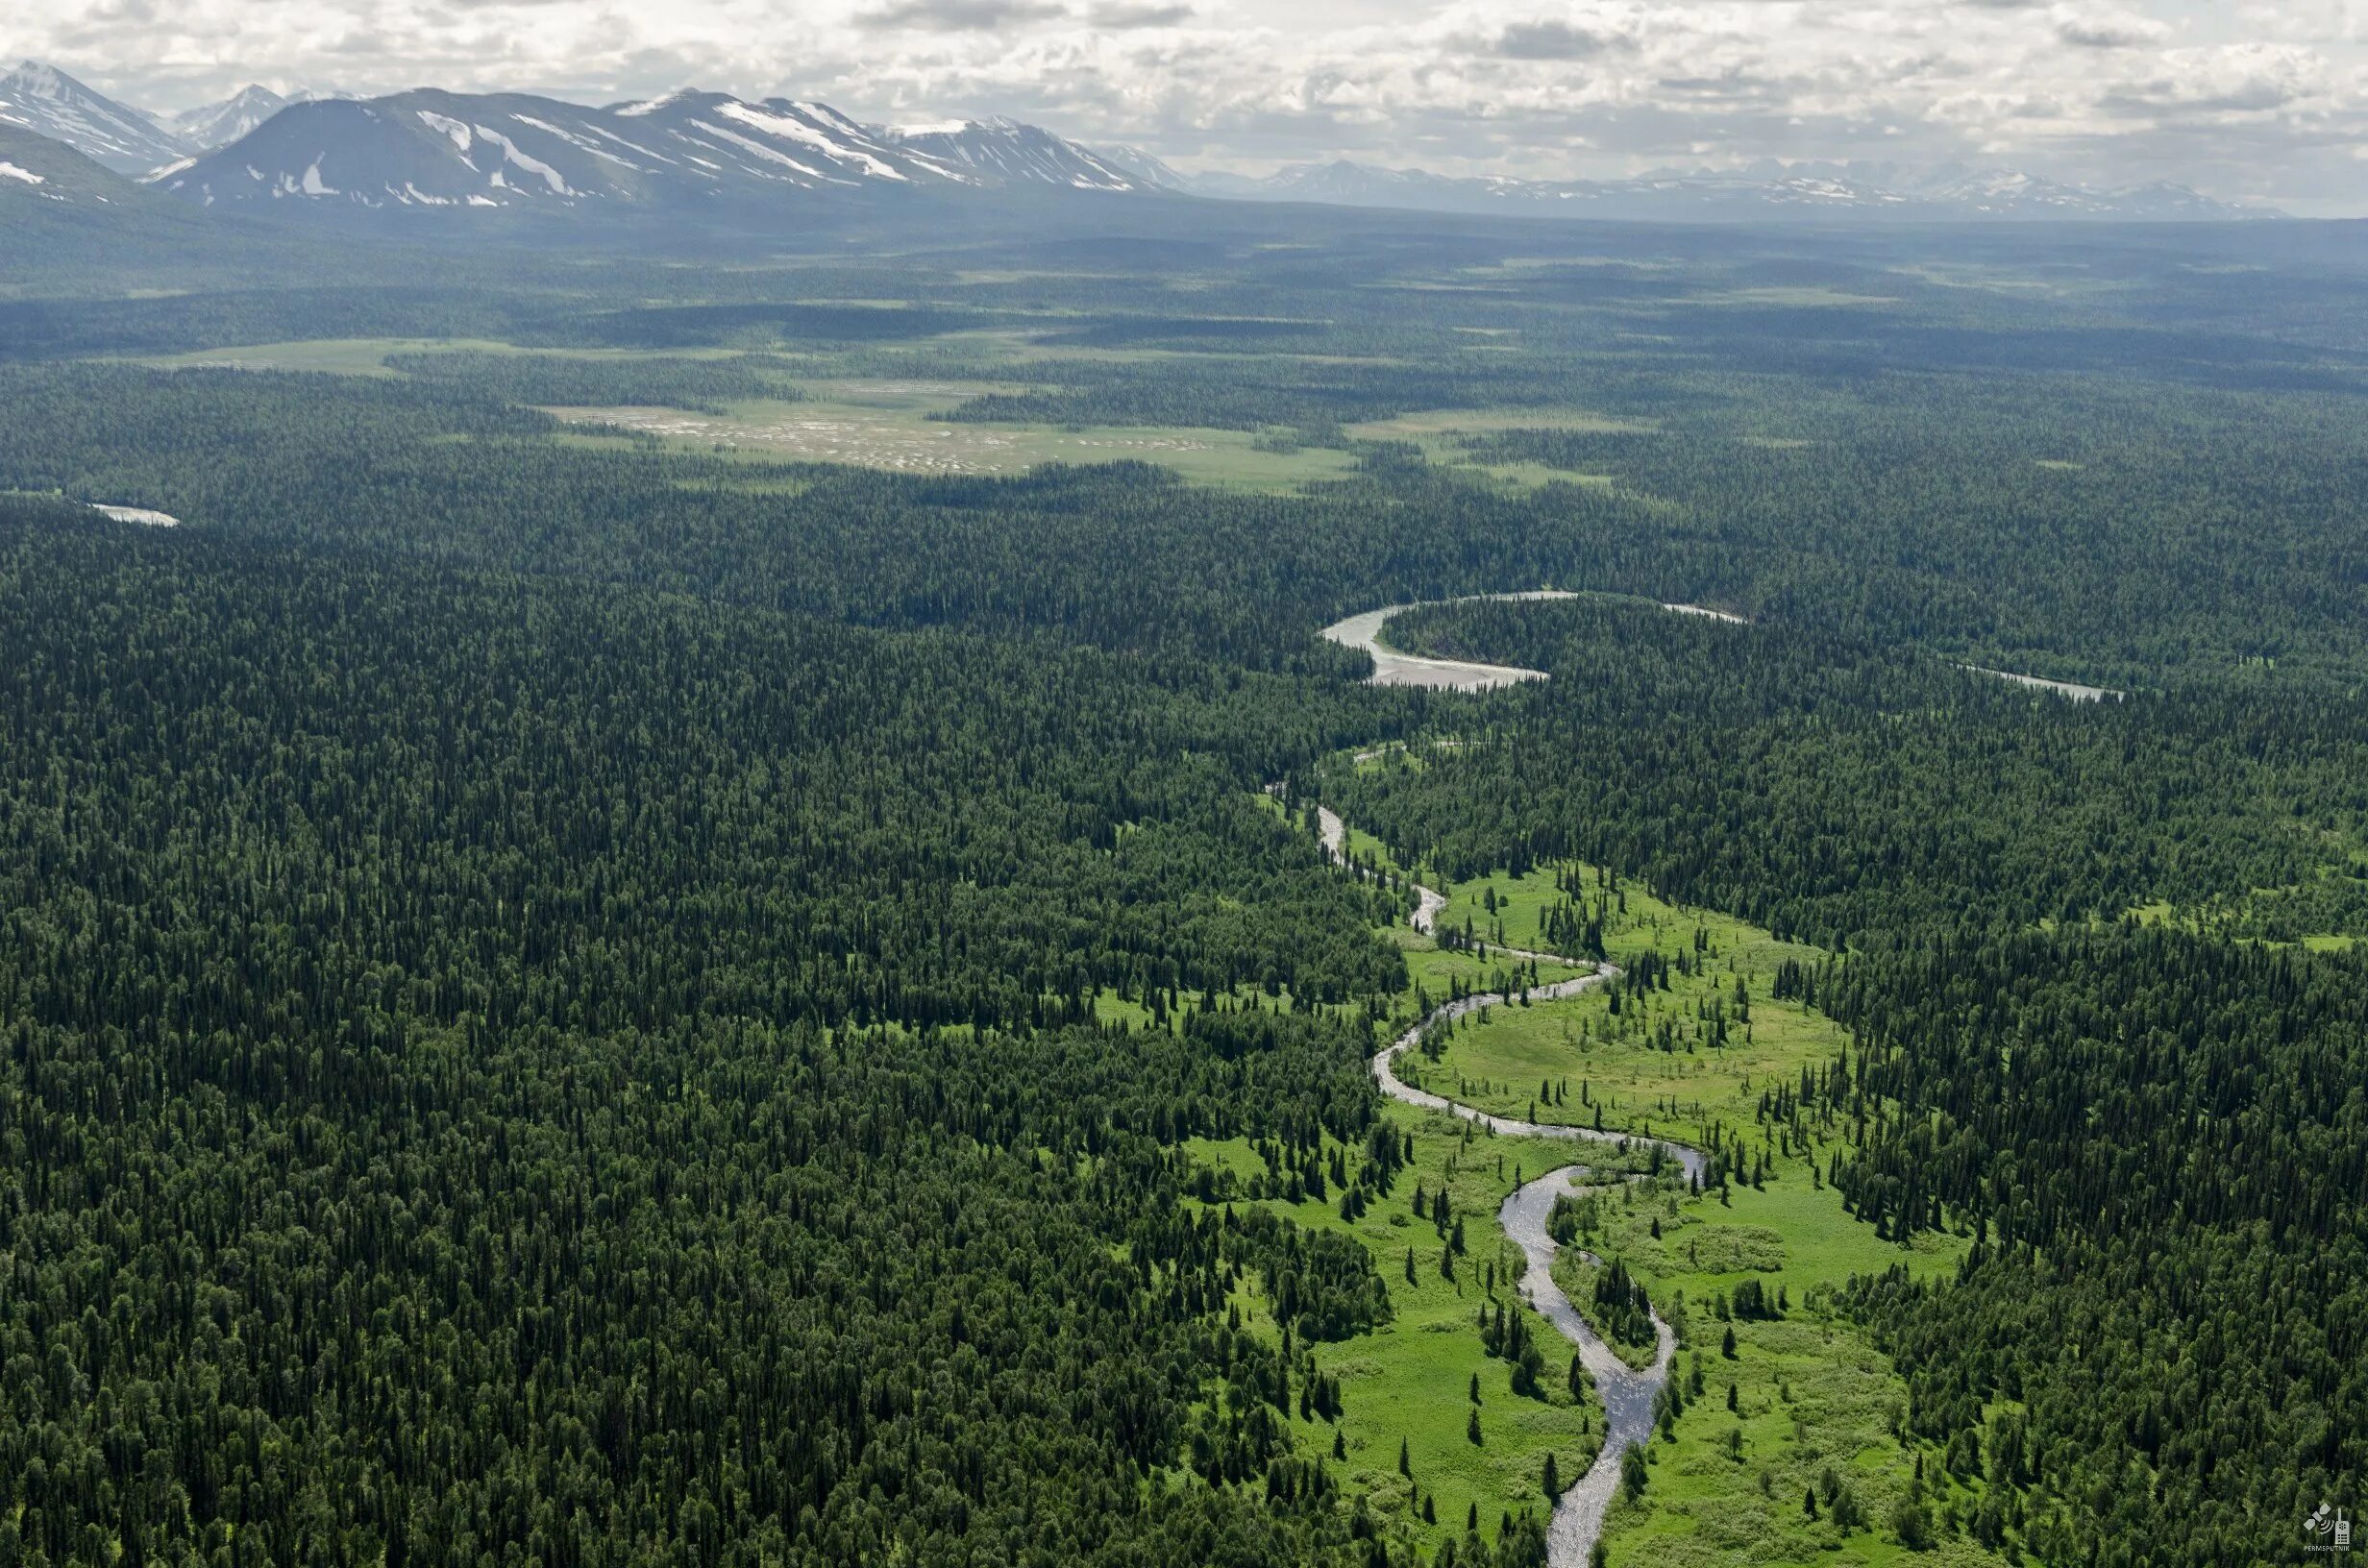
(1654, 1065)
(1812, 1389)
(2222, 922)
(1433, 970)
(871, 422)
(1411, 1380)
(1637, 920)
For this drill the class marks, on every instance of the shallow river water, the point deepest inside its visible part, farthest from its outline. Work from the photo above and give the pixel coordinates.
(1627, 1394)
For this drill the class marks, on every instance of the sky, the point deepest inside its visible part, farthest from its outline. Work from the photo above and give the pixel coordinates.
(2252, 99)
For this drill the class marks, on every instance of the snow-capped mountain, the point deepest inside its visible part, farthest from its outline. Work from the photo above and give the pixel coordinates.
(2012, 193)
(47, 102)
(1840, 190)
(1003, 152)
(218, 125)
(428, 149)
(1143, 167)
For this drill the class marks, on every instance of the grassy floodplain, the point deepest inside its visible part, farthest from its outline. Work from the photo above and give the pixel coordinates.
(1816, 1409)
(1411, 1381)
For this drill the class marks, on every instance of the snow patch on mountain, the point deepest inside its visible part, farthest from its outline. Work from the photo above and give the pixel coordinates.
(459, 133)
(799, 131)
(771, 155)
(651, 105)
(526, 161)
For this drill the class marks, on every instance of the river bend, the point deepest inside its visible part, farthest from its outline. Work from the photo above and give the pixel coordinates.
(1627, 1394)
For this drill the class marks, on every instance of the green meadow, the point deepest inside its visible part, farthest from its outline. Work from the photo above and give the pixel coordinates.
(1804, 1406)
(1697, 1044)
(1411, 1381)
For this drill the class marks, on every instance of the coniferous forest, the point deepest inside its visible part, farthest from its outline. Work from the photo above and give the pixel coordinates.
(576, 992)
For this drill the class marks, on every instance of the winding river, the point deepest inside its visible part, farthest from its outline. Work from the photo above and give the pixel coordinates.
(1390, 667)
(1627, 1394)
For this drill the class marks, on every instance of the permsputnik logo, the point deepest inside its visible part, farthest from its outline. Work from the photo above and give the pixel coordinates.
(2330, 1529)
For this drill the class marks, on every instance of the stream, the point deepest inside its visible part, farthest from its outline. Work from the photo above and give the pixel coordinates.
(1627, 1394)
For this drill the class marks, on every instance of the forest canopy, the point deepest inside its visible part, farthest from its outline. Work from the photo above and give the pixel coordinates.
(585, 996)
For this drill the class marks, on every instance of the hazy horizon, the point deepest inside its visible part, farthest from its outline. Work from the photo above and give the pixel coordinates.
(2257, 102)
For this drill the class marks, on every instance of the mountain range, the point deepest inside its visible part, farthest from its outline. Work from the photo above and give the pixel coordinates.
(691, 150)
(433, 149)
(1769, 188)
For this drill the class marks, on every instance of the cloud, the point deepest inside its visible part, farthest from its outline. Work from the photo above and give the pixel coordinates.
(1140, 15)
(2115, 29)
(960, 15)
(2217, 83)
(1554, 40)
(2257, 96)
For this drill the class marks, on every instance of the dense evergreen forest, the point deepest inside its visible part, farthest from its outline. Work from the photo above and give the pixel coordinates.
(511, 1067)
(1833, 789)
(2162, 1140)
(579, 997)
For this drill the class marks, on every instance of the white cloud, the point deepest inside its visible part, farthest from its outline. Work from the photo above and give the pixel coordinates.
(2255, 98)
(2105, 27)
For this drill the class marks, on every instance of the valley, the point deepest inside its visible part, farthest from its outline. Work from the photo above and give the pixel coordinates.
(1056, 875)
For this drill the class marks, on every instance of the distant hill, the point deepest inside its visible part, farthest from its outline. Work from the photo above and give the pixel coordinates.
(1809, 190)
(64, 215)
(41, 170)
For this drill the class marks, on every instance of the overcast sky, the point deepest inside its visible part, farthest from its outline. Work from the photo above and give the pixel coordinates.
(2241, 98)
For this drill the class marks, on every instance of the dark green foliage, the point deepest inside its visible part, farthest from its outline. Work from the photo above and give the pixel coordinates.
(1830, 788)
(2166, 1141)
(1506, 1333)
(1321, 1283)
(1633, 1474)
(1623, 1311)
(2161, 1135)
(497, 1065)
(1593, 452)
